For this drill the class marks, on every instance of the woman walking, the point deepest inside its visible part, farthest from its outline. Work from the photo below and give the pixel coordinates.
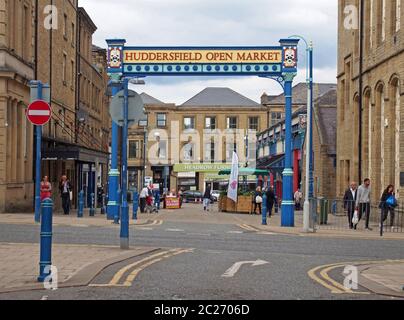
(388, 203)
(258, 201)
(46, 189)
(206, 198)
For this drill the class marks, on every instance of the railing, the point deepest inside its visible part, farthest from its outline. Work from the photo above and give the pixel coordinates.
(337, 214)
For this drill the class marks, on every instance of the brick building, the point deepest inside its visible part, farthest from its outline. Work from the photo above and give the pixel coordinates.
(370, 136)
(16, 133)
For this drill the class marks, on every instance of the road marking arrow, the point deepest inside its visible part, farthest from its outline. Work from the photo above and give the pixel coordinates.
(236, 267)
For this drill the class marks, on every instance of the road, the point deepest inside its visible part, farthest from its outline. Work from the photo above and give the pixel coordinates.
(194, 257)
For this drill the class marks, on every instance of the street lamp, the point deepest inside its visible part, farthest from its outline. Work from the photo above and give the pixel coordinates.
(309, 134)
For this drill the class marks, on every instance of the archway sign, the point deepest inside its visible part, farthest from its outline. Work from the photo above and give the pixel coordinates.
(275, 62)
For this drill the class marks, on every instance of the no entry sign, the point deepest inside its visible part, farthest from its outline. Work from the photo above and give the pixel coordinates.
(39, 113)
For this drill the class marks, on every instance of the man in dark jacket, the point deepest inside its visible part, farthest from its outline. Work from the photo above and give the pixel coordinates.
(270, 200)
(349, 202)
(65, 188)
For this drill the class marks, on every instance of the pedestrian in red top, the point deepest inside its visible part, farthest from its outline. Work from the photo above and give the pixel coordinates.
(46, 189)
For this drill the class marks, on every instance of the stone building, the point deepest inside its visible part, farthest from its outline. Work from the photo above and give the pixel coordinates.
(370, 140)
(324, 146)
(16, 134)
(192, 142)
(271, 142)
(75, 141)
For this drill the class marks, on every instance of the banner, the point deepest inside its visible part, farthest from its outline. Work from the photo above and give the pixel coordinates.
(233, 181)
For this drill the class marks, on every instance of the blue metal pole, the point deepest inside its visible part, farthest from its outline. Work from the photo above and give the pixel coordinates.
(92, 209)
(113, 206)
(288, 216)
(46, 240)
(81, 205)
(125, 209)
(311, 170)
(135, 204)
(38, 163)
(264, 209)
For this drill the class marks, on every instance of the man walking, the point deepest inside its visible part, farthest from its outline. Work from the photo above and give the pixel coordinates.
(349, 202)
(65, 189)
(270, 200)
(207, 198)
(143, 195)
(363, 202)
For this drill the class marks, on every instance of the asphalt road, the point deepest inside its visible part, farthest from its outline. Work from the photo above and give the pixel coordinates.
(198, 274)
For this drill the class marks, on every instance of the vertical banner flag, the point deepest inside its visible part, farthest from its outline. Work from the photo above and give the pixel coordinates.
(233, 182)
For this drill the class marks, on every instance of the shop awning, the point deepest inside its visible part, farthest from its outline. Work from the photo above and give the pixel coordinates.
(246, 172)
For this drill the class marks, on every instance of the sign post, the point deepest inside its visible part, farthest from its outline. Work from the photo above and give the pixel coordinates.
(278, 63)
(38, 113)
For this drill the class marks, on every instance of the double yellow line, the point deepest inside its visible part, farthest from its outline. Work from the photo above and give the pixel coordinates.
(321, 275)
(138, 266)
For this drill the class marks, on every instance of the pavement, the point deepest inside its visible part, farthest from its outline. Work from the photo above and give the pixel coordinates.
(76, 265)
(214, 241)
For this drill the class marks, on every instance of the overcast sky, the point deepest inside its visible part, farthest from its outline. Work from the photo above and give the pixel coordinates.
(215, 23)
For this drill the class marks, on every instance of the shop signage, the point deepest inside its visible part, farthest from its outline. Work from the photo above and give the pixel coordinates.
(172, 203)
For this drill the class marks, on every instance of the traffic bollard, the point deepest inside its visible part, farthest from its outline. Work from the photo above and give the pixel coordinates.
(264, 210)
(118, 212)
(103, 207)
(135, 204)
(92, 209)
(46, 240)
(81, 204)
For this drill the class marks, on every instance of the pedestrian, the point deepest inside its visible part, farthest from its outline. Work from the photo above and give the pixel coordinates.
(258, 201)
(65, 188)
(156, 195)
(271, 198)
(388, 203)
(46, 189)
(298, 199)
(142, 198)
(149, 200)
(363, 203)
(349, 202)
(207, 198)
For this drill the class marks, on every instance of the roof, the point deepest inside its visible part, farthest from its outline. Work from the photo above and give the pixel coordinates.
(326, 112)
(147, 99)
(213, 97)
(299, 94)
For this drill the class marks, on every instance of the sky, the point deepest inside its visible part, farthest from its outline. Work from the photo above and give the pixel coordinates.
(220, 23)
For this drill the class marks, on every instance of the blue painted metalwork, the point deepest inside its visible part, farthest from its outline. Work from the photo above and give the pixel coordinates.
(38, 158)
(92, 202)
(135, 204)
(125, 208)
(311, 179)
(81, 205)
(117, 215)
(264, 209)
(46, 240)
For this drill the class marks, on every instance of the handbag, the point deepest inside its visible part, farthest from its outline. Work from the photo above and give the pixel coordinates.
(391, 201)
(258, 199)
(71, 195)
(355, 219)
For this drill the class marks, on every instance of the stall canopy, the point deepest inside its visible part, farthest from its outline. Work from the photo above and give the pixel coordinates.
(246, 172)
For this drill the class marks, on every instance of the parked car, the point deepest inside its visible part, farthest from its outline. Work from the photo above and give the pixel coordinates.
(215, 195)
(192, 196)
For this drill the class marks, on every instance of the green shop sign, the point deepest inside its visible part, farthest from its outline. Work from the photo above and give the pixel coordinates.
(201, 167)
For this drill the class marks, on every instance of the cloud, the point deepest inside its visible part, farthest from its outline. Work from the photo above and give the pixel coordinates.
(219, 22)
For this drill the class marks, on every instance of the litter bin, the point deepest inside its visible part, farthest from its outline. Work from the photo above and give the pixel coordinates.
(323, 211)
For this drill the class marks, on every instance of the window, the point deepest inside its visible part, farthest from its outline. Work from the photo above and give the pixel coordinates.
(162, 149)
(276, 117)
(210, 151)
(189, 152)
(253, 123)
(189, 123)
(134, 149)
(65, 26)
(210, 123)
(73, 35)
(381, 21)
(395, 15)
(231, 122)
(161, 120)
(64, 66)
(230, 148)
(72, 73)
